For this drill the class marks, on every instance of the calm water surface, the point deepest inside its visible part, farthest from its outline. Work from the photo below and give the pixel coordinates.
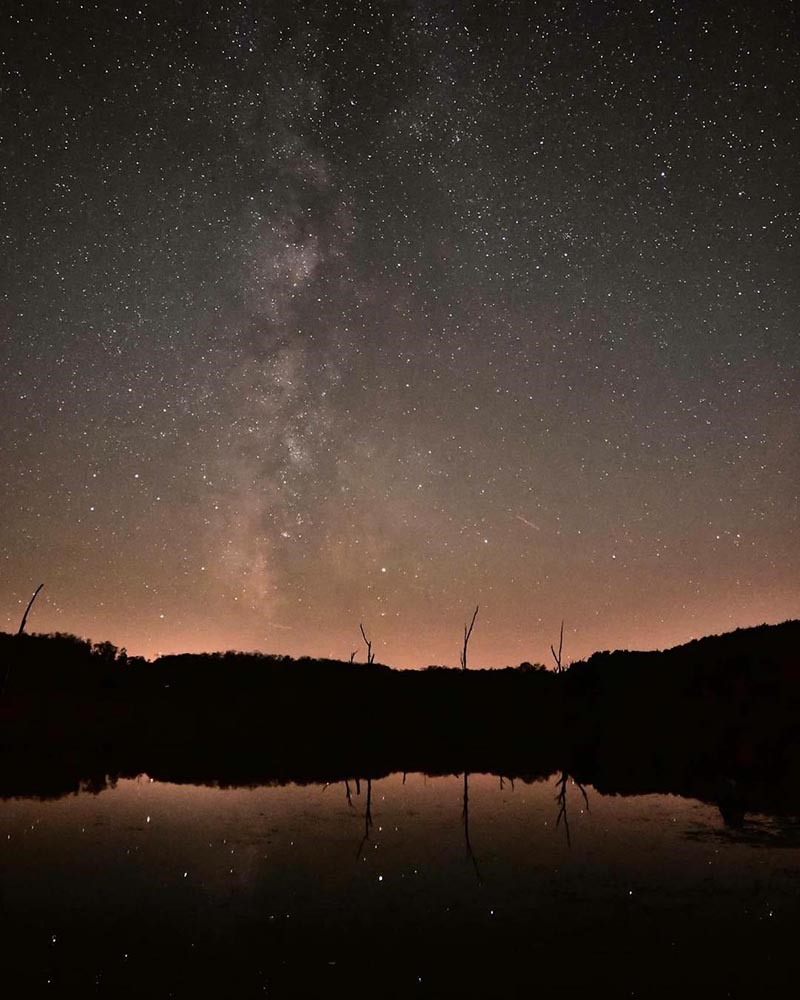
(166, 890)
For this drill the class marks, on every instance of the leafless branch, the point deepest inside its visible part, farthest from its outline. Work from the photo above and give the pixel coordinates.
(557, 656)
(467, 634)
(370, 654)
(27, 610)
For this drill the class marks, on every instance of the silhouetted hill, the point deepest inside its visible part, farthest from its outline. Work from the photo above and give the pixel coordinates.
(715, 659)
(717, 704)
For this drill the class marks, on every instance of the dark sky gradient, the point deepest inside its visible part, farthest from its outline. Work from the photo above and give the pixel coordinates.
(324, 313)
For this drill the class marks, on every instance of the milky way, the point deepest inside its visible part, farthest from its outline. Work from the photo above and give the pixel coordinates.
(320, 314)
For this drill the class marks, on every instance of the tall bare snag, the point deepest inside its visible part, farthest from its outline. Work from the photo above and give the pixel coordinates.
(370, 654)
(557, 656)
(27, 610)
(467, 634)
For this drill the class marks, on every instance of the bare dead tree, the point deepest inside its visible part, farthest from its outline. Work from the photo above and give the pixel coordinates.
(370, 654)
(21, 629)
(353, 655)
(467, 634)
(557, 656)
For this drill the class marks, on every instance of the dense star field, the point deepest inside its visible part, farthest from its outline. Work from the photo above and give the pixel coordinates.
(320, 313)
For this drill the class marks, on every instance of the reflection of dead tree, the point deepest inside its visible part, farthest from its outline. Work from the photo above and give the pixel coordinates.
(465, 818)
(467, 634)
(347, 793)
(27, 610)
(557, 656)
(503, 781)
(561, 799)
(370, 654)
(367, 818)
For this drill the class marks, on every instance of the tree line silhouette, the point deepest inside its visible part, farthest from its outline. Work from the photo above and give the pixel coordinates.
(719, 712)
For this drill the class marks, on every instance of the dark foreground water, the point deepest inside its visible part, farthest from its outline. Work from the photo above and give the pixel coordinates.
(157, 890)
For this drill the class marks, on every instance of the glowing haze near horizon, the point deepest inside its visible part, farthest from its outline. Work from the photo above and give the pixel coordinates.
(319, 314)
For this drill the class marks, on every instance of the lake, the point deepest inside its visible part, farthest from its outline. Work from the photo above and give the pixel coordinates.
(157, 889)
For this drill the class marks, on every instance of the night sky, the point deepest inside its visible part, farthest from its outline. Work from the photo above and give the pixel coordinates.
(318, 314)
